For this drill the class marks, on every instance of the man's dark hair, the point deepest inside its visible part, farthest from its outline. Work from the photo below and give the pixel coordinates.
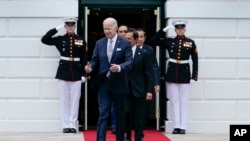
(141, 30)
(135, 33)
(123, 25)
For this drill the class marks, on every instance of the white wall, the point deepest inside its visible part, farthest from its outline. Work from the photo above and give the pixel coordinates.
(221, 30)
(28, 90)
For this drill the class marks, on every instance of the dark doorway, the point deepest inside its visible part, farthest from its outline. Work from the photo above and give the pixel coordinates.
(132, 17)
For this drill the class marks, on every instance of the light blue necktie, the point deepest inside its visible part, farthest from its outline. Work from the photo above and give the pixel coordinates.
(109, 53)
(110, 50)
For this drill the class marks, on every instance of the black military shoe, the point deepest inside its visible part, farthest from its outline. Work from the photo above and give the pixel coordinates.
(72, 130)
(81, 127)
(66, 130)
(182, 131)
(176, 131)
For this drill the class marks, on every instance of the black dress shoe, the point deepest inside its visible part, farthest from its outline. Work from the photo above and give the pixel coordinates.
(128, 139)
(66, 130)
(176, 131)
(128, 136)
(80, 128)
(72, 130)
(182, 131)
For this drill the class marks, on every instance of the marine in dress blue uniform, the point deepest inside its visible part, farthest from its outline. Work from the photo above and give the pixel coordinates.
(178, 74)
(70, 72)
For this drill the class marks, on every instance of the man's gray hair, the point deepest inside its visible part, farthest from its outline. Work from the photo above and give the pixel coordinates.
(111, 20)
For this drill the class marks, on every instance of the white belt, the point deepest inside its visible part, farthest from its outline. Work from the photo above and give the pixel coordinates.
(70, 58)
(178, 61)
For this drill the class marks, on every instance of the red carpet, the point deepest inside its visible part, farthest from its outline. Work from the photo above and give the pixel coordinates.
(149, 135)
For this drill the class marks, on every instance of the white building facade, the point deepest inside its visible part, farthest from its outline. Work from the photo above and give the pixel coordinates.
(28, 90)
(220, 30)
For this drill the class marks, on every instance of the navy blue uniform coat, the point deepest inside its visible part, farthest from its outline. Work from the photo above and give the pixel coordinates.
(68, 70)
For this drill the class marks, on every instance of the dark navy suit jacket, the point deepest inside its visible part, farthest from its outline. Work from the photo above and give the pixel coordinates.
(156, 71)
(122, 55)
(140, 76)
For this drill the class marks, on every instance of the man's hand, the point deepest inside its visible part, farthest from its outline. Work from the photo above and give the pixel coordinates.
(149, 96)
(59, 27)
(88, 68)
(167, 28)
(114, 68)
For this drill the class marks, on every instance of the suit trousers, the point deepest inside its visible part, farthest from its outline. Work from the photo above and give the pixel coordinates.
(69, 96)
(135, 116)
(113, 117)
(178, 97)
(105, 99)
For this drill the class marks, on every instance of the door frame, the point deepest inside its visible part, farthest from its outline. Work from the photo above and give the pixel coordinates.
(83, 30)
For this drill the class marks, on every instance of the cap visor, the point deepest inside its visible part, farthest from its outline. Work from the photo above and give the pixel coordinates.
(70, 23)
(180, 26)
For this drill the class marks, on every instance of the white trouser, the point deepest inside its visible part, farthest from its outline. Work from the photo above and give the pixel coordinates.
(178, 95)
(69, 96)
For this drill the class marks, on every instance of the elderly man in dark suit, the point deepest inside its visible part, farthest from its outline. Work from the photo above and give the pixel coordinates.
(113, 57)
(141, 86)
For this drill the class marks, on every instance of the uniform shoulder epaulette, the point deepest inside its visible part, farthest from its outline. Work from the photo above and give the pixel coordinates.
(79, 37)
(189, 38)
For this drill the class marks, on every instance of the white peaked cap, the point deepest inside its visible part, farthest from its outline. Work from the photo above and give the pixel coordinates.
(179, 22)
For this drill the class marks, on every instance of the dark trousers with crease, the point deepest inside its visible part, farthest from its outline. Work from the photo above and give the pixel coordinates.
(135, 114)
(105, 98)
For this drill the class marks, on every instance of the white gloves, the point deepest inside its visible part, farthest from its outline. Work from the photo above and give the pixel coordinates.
(59, 27)
(83, 79)
(167, 28)
(192, 81)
